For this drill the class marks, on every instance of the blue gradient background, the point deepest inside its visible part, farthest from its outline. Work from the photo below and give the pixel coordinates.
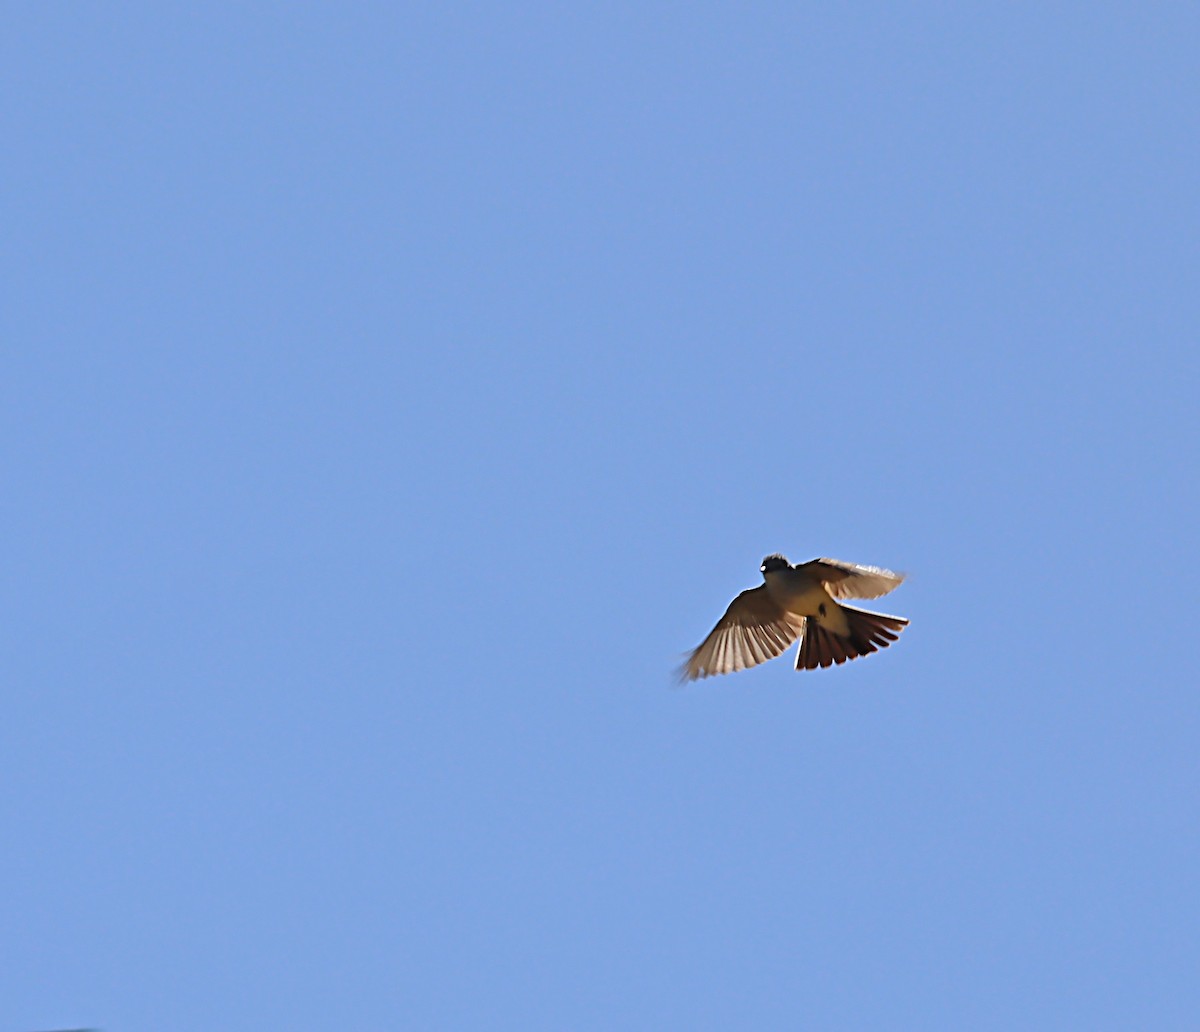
(392, 393)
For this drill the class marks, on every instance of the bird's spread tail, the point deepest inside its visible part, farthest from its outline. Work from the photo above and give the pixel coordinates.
(868, 633)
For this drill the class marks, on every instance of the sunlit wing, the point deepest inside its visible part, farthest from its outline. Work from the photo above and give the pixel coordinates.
(753, 630)
(849, 580)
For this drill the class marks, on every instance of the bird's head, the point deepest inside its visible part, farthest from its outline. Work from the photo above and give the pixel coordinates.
(774, 562)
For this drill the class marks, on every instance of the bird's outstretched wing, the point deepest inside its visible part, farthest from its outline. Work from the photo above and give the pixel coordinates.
(753, 630)
(849, 580)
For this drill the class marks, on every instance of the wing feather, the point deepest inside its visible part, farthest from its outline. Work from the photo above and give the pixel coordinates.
(850, 580)
(753, 630)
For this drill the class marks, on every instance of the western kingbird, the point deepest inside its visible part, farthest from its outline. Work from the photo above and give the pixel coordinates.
(799, 602)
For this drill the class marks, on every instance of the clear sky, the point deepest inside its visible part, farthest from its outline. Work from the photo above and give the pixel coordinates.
(392, 393)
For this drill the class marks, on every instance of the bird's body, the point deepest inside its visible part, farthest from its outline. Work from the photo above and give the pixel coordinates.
(798, 593)
(799, 602)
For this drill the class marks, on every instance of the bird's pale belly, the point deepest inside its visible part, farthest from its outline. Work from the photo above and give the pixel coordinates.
(802, 599)
(806, 597)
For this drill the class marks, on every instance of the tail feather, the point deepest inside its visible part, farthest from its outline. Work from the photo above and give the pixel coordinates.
(869, 632)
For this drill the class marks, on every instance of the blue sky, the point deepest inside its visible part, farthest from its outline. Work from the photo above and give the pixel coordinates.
(392, 393)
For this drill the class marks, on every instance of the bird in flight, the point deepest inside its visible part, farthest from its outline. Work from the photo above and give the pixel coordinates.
(801, 601)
